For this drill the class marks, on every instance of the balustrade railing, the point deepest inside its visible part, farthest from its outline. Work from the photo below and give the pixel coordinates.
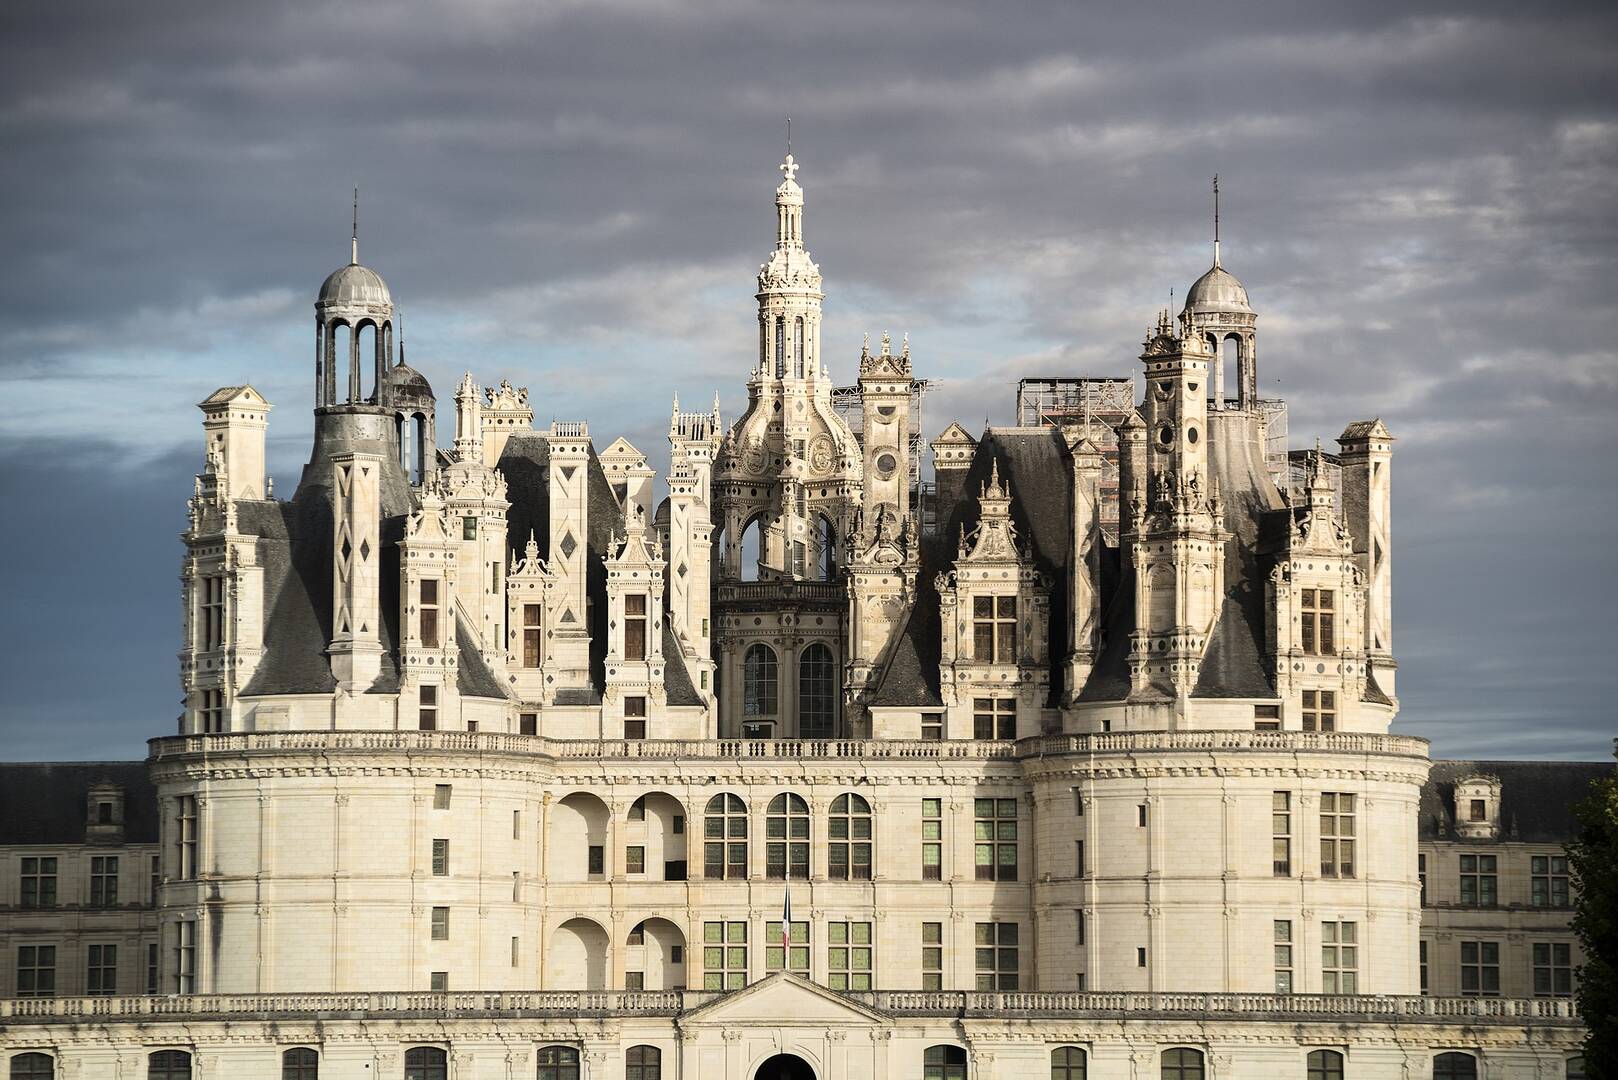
(1034, 1004)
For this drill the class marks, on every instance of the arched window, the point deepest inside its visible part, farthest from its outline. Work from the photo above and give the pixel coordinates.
(780, 346)
(749, 549)
(826, 537)
(1325, 1065)
(1067, 1063)
(943, 1063)
(300, 1063)
(1575, 1067)
(643, 1063)
(797, 347)
(558, 1063)
(1182, 1064)
(817, 693)
(426, 1063)
(759, 681)
(724, 834)
(1454, 1066)
(786, 835)
(849, 831)
(40, 1067)
(169, 1065)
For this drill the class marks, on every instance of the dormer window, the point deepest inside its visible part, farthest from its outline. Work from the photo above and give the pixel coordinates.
(1479, 811)
(213, 613)
(1318, 632)
(994, 629)
(635, 626)
(1477, 807)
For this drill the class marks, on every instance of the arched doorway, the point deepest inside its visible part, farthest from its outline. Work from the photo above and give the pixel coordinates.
(785, 1067)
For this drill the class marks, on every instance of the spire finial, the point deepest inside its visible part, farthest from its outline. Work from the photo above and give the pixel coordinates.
(1216, 219)
(789, 136)
(400, 317)
(354, 238)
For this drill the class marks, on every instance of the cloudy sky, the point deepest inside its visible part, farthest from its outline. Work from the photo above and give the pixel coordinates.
(576, 195)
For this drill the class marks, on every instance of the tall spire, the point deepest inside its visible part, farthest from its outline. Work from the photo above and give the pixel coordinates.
(1216, 219)
(354, 238)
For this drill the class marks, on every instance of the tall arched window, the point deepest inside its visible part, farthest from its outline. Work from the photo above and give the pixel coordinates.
(1182, 1064)
(817, 693)
(724, 831)
(169, 1065)
(426, 1063)
(1455, 1066)
(786, 836)
(558, 1063)
(943, 1063)
(848, 831)
(643, 1063)
(780, 346)
(826, 538)
(34, 1067)
(759, 681)
(1325, 1065)
(300, 1063)
(797, 347)
(1067, 1063)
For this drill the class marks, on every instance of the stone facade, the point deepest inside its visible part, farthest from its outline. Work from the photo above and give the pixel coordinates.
(1087, 774)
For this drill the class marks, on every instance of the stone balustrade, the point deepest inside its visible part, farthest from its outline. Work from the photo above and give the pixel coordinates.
(937, 1003)
(787, 749)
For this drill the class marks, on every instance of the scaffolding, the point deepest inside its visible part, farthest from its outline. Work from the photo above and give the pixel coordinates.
(850, 405)
(1093, 407)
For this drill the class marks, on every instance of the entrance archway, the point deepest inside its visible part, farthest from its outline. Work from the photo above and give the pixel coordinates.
(785, 1067)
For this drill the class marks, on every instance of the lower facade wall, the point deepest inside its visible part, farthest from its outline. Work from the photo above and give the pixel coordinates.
(698, 1049)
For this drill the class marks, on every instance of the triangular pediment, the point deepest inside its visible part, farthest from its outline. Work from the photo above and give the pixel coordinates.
(235, 395)
(955, 433)
(784, 1000)
(621, 450)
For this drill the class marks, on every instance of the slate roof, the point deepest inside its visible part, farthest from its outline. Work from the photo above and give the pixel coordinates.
(46, 802)
(676, 677)
(1536, 797)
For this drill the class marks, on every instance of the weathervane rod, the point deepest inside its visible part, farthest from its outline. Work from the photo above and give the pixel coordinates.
(354, 239)
(1216, 219)
(789, 136)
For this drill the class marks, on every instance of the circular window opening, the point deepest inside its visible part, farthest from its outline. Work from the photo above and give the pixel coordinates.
(1165, 435)
(886, 465)
(1191, 434)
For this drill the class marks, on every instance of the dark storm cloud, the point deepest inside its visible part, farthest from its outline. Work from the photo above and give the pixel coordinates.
(576, 195)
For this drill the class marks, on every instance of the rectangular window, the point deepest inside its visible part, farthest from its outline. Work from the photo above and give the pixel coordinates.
(531, 636)
(1480, 968)
(185, 957)
(1421, 876)
(1336, 835)
(635, 717)
(469, 528)
(597, 859)
(774, 957)
(438, 981)
(1266, 718)
(185, 836)
(39, 881)
(932, 956)
(213, 612)
(1078, 858)
(1078, 803)
(516, 951)
(528, 723)
(429, 613)
(848, 955)
(157, 878)
(36, 971)
(932, 726)
(1549, 881)
(1319, 613)
(516, 886)
(440, 858)
(932, 839)
(429, 708)
(151, 968)
(1339, 958)
(1140, 815)
(1480, 880)
(997, 965)
(994, 629)
(104, 881)
(1479, 811)
(1140, 957)
(441, 796)
(1553, 969)
(1283, 956)
(1281, 833)
(1320, 710)
(995, 839)
(516, 824)
(211, 712)
(1422, 956)
(724, 955)
(635, 627)
(440, 924)
(634, 980)
(635, 859)
(994, 718)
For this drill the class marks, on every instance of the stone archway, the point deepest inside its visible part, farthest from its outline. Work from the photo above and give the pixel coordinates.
(785, 1067)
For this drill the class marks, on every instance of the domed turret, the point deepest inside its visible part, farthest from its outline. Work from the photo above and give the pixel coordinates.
(1217, 291)
(354, 298)
(1217, 310)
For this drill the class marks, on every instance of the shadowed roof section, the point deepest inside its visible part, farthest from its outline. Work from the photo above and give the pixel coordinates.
(1536, 797)
(47, 802)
